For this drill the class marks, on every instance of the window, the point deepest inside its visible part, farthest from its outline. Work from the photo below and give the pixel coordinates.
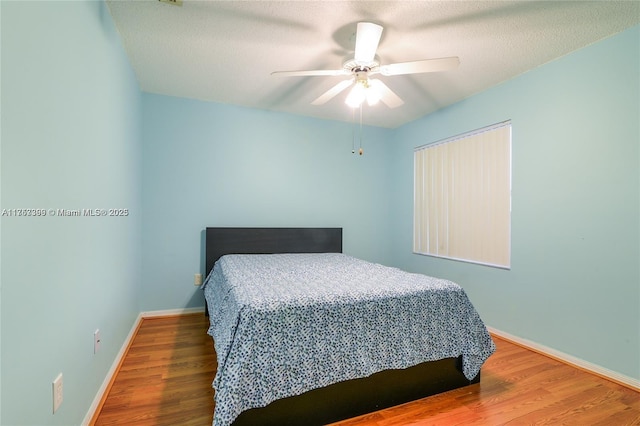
(462, 197)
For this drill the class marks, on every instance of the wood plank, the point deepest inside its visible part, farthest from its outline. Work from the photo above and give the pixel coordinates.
(165, 379)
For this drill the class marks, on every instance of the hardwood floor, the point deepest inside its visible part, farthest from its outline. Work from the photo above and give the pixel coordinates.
(165, 379)
(166, 375)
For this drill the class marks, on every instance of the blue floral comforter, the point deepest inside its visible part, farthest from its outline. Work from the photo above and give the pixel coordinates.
(284, 324)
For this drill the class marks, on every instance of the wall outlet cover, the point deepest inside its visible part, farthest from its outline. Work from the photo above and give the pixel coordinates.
(57, 392)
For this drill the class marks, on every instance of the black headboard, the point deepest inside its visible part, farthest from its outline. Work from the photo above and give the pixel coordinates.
(221, 241)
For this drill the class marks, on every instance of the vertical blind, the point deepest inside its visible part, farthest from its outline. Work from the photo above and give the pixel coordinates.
(462, 197)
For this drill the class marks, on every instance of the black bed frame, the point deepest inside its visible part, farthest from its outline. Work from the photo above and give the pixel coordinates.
(345, 399)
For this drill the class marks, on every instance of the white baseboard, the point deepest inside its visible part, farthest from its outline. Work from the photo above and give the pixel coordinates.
(171, 312)
(114, 367)
(127, 341)
(605, 373)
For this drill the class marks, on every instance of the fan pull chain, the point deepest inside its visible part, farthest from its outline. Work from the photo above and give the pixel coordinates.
(353, 130)
(360, 151)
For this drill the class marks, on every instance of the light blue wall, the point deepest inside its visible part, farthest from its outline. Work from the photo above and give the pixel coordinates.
(206, 164)
(70, 139)
(0, 229)
(574, 284)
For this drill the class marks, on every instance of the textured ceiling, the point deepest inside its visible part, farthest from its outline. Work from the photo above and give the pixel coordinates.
(225, 51)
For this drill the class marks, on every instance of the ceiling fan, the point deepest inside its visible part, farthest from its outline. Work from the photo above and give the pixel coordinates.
(364, 64)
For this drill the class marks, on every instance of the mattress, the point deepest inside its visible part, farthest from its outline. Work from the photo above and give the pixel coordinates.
(284, 324)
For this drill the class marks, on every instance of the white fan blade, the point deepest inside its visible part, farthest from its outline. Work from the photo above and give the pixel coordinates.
(367, 39)
(387, 96)
(310, 73)
(415, 67)
(329, 94)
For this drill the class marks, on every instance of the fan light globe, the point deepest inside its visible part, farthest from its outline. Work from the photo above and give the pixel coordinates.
(373, 96)
(357, 95)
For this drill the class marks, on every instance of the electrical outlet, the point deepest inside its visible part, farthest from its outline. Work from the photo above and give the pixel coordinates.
(96, 341)
(197, 280)
(57, 392)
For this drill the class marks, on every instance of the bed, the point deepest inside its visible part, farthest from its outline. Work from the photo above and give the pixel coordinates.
(292, 354)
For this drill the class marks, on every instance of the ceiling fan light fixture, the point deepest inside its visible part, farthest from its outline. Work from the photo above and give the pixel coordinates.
(357, 95)
(362, 91)
(373, 96)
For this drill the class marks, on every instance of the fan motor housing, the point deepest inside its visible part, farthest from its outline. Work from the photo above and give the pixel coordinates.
(355, 67)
